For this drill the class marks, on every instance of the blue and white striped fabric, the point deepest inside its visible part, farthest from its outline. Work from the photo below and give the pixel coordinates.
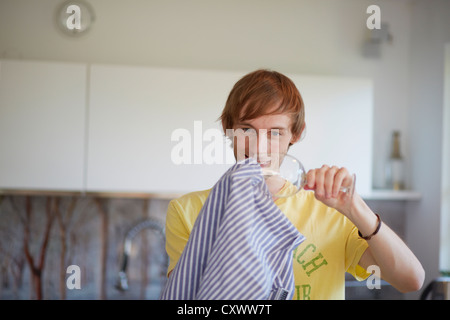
(240, 247)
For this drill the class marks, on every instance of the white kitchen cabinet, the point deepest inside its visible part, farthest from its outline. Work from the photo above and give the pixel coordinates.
(112, 128)
(42, 125)
(133, 112)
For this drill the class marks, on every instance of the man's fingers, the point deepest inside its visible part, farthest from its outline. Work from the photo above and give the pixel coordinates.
(310, 179)
(327, 181)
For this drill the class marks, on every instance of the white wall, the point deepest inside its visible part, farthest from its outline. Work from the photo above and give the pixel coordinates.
(430, 30)
(444, 263)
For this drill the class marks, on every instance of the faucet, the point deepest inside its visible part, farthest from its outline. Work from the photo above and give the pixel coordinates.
(122, 282)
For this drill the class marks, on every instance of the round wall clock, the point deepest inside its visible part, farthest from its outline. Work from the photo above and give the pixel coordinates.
(75, 17)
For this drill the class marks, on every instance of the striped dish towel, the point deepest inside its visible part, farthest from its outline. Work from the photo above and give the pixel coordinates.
(240, 247)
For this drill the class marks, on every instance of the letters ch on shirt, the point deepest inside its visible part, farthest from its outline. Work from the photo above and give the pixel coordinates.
(309, 265)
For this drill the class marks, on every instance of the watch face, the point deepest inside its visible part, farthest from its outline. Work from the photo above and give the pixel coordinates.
(75, 17)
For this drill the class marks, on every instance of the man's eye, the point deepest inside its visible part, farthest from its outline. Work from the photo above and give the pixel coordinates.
(249, 131)
(275, 133)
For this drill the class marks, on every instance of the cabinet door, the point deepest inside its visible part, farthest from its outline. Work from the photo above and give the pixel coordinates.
(42, 115)
(134, 112)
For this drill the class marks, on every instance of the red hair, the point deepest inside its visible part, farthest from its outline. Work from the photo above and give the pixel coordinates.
(264, 92)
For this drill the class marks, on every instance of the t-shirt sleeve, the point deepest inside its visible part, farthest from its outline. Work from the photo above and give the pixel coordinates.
(177, 234)
(355, 248)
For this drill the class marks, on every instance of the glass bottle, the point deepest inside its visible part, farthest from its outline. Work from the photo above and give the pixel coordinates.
(396, 165)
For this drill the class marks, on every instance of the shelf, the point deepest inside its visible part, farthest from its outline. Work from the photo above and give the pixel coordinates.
(385, 194)
(377, 194)
(94, 194)
(358, 284)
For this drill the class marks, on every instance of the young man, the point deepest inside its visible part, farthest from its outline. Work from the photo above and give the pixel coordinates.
(342, 233)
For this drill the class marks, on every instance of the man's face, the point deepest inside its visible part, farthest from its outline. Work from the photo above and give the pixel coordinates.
(262, 136)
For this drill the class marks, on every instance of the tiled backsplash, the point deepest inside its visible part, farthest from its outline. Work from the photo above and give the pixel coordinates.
(93, 230)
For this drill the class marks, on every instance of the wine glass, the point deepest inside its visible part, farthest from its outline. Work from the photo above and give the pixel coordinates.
(285, 175)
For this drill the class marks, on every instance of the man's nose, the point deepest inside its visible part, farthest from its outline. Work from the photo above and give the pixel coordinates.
(259, 143)
(263, 144)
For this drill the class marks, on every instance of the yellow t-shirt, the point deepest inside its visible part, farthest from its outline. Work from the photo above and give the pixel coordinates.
(332, 246)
